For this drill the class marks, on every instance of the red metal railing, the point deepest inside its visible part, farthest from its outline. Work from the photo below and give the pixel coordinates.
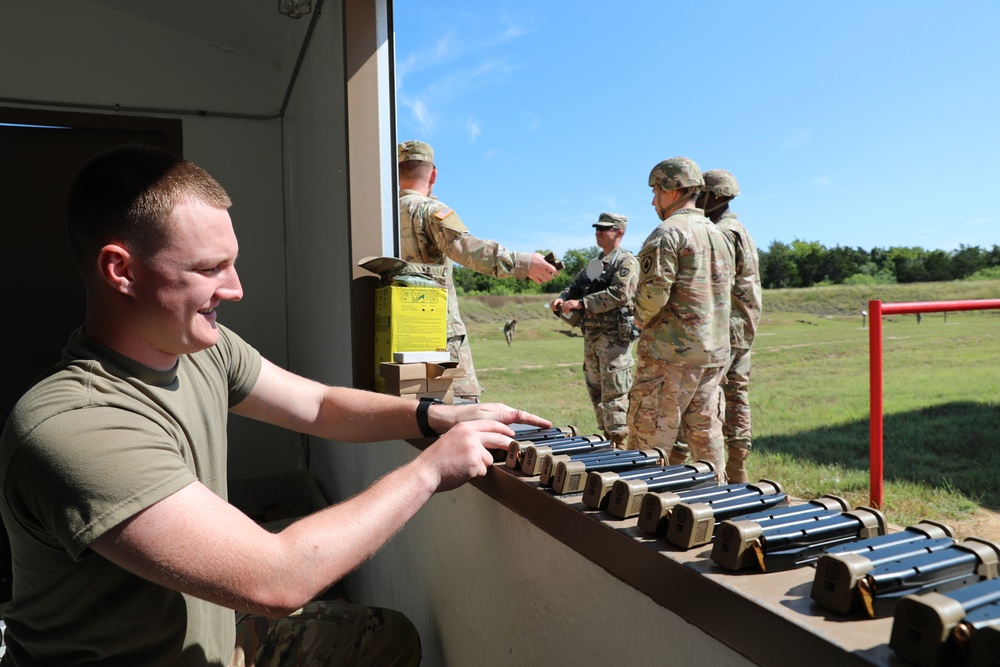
(876, 309)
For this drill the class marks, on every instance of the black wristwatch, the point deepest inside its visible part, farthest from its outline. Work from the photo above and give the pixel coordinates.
(422, 407)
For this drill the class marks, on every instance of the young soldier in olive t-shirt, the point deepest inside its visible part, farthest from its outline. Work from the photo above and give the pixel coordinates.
(125, 551)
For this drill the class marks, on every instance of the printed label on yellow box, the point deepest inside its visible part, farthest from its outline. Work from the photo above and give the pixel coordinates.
(419, 295)
(409, 319)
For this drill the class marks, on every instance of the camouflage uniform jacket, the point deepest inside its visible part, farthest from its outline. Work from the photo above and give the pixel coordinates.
(747, 302)
(607, 300)
(432, 233)
(685, 280)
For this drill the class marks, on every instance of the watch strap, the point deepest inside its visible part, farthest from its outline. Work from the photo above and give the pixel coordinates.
(423, 406)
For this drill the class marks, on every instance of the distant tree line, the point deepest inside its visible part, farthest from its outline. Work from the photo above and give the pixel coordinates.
(795, 264)
(808, 263)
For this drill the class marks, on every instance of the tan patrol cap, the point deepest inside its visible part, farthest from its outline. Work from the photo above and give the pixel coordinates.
(615, 220)
(414, 150)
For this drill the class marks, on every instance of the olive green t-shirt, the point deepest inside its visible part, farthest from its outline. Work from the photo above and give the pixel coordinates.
(92, 443)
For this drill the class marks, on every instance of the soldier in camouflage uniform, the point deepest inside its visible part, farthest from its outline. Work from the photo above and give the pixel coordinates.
(431, 233)
(682, 307)
(720, 189)
(327, 632)
(608, 326)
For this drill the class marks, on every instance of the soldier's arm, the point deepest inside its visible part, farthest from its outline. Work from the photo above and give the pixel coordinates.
(747, 286)
(739, 246)
(451, 235)
(657, 272)
(575, 289)
(620, 292)
(752, 270)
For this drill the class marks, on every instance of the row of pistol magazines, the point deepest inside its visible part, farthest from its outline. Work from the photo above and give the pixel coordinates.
(943, 594)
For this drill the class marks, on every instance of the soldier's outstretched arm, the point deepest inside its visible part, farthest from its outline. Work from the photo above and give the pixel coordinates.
(195, 542)
(302, 405)
(540, 271)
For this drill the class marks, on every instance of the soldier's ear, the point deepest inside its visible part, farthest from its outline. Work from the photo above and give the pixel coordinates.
(433, 176)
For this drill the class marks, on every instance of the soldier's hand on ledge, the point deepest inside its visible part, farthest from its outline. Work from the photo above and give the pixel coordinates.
(541, 271)
(463, 452)
(443, 417)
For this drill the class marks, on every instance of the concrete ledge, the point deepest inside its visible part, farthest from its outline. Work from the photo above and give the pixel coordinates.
(767, 617)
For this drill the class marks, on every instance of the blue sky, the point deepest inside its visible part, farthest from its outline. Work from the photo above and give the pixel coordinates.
(859, 123)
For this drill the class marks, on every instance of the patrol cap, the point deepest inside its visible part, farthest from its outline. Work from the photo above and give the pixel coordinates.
(676, 173)
(606, 220)
(721, 183)
(414, 150)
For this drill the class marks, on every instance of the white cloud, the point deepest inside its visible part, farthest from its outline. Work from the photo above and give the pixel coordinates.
(473, 129)
(443, 51)
(450, 67)
(513, 31)
(419, 113)
(428, 104)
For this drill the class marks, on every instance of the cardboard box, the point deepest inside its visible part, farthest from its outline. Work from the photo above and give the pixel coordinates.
(445, 396)
(402, 379)
(418, 380)
(438, 384)
(447, 369)
(440, 377)
(390, 370)
(405, 387)
(409, 319)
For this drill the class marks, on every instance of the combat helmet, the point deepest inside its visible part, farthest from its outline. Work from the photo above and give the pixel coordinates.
(676, 173)
(721, 183)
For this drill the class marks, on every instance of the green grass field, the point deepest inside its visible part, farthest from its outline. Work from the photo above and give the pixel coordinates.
(810, 391)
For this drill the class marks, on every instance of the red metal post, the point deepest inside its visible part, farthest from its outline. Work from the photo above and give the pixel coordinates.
(875, 400)
(876, 309)
(939, 306)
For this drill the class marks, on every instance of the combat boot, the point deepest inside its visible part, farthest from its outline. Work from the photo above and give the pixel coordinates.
(678, 454)
(736, 468)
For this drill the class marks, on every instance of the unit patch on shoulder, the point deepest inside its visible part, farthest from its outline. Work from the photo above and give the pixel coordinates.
(647, 262)
(624, 271)
(443, 213)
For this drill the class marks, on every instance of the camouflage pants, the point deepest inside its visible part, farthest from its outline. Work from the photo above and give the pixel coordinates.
(468, 386)
(326, 633)
(666, 399)
(736, 387)
(607, 367)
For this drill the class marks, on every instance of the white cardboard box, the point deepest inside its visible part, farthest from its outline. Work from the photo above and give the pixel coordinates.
(420, 357)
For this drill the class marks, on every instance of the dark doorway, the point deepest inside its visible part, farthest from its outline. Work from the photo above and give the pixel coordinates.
(40, 153)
